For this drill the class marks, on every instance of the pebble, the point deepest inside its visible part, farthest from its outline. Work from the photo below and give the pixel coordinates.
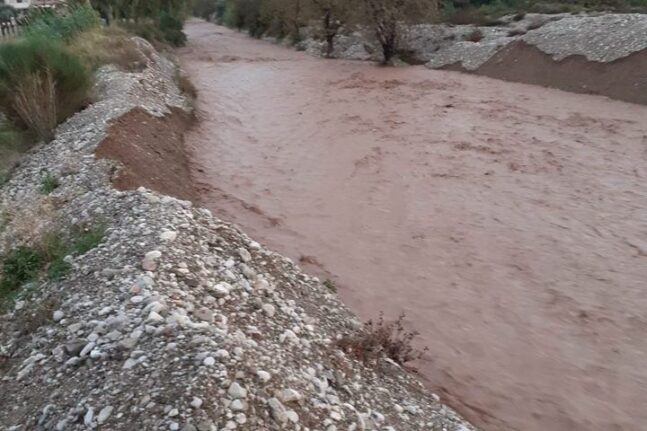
(168, 236)
(236, 391)
(264, 376)
(269, 309)
(104, 414)
(58, 316)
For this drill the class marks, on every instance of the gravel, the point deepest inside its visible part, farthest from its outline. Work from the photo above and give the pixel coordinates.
(602, 38)
(176, 320)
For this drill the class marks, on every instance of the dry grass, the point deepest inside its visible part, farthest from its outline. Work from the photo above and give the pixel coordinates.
(108, 45)
(27, 223)
(382, 338)
(34, 100)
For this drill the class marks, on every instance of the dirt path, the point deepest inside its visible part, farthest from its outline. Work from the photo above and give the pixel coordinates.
(508, 221)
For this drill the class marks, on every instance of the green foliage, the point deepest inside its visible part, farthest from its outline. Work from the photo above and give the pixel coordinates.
(6, 12)
(154, 20)
(9, 137)
(85, 239)
(205, 8)
(52, 24)
(48, 184)
(20, 266)
(171, 28)
(24, 264)
(42, 66)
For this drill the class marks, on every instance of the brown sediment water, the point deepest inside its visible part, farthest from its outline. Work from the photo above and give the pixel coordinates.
(508, 221)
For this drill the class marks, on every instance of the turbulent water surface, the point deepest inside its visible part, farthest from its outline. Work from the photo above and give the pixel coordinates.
(508, 221)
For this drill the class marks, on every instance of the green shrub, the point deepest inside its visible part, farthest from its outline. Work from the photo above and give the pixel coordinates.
(52, 24)
(41, 84)
(9, 137)
(144, 29)
(20, 266)
(25, 264)
(49, 183)
(171, 28)
(85, 239)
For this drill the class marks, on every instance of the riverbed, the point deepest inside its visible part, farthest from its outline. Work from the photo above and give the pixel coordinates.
(507, 221)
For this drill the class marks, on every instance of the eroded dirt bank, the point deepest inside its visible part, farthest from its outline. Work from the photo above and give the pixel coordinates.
(622, 79)
(506, 220)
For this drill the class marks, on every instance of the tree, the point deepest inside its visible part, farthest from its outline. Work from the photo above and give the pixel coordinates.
(333, 15)
(387, 16)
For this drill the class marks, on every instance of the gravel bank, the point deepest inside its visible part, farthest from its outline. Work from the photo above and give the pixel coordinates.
(602, 54)
(177, 320)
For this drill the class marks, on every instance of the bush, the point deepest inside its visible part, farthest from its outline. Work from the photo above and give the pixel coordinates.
(25, 264)
(171, 28)
(48, 184)
(382, 339)
(475, 35)
(52, 24)
(41, 84)
(20, 266)
(107, 45)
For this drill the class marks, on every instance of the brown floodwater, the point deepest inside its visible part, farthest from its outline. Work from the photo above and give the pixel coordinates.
(509, 222)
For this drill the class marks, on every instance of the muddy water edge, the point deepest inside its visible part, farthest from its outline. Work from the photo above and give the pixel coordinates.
(507, 221)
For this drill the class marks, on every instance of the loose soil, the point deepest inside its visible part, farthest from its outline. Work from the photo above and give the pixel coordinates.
(151, 152)
(506, 220)
(623, 79)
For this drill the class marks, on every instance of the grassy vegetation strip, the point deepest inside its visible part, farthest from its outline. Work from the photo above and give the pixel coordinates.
(27, 263)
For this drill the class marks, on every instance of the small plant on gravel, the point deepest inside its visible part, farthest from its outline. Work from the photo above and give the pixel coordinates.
(86, 238)
(24, 264)
(49, 183)
(19, 266)
(475, 35)
(382, 338)
(330, 285)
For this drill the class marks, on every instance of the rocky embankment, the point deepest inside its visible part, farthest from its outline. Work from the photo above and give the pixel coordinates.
(176, 320)
(602, 54)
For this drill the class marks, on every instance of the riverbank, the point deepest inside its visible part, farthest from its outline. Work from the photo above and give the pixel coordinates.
(603, 54)
(503, 218)
(157, 315)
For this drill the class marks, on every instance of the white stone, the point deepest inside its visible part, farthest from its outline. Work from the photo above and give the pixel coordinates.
(289, 395)
(58, 315)
(168, 235)
(153, 255)
(264, 376)
(237, 391)
(209, 361)
(269, 309)
(153, 317)
(104, 414)
(196, 403)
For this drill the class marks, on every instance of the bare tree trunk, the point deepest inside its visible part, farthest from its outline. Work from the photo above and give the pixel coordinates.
(330, 31)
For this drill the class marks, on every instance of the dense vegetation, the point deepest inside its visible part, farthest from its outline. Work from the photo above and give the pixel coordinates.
(46, 74)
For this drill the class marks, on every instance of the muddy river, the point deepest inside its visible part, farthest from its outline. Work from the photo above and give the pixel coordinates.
(509, 222)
